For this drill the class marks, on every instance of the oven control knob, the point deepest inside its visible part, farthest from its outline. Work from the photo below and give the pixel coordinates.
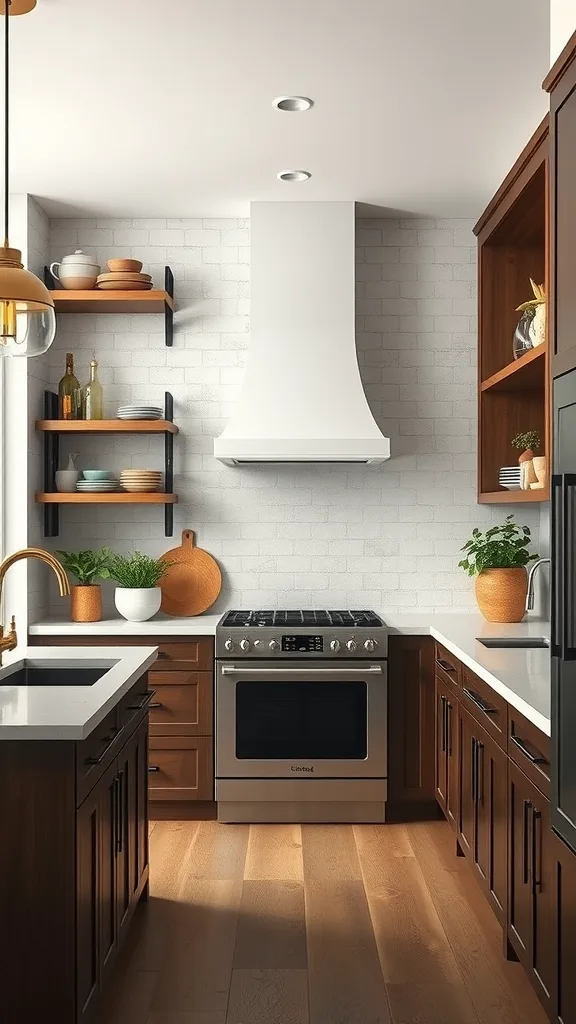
(274, 645)
(351, 645)
(335, 646)
(229, 645)
(244, 645)
(370, 645)
(257, 643)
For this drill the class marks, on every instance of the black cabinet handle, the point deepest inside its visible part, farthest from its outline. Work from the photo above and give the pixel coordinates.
(102, 755)
(153, 768)
(115, 800)
(473, 770)
(162, 655)
(563, 640)
(120, 822)
(526, 808)
(477, 700)
(147, 697)
(449, 726)
(445, 665)
(155, 705)
(536, 849)
(443, 734)
(479, 772)
(523, 746)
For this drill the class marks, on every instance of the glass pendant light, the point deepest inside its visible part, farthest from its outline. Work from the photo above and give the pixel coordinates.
(27, 317)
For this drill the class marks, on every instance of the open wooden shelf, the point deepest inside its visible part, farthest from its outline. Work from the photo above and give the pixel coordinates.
(114, 498)
(107, 426)
(95, 301)
(528, 373)
(515, 497)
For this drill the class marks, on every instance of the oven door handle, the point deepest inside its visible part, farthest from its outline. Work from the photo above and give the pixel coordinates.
(240, 670)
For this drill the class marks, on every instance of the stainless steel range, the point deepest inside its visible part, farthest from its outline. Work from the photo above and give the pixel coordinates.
(301, 716)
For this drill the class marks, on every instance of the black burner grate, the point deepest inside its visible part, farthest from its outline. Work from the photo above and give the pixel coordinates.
(306, 617)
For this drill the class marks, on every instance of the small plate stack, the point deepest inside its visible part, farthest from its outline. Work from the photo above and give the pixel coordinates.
(140, 481)
(124, 276)
(140, 412)
(96, 486)
(510, 477)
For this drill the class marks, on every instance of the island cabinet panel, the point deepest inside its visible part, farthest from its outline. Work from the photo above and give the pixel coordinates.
(563, 874)
(71, 871)
(446, 750)
(411, 747)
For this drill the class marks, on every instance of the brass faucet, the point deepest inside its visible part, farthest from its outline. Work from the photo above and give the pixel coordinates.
(9, 642)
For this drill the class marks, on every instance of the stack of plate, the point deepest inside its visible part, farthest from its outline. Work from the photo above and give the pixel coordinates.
(96, 486)
(141, 411)
(510, 477)
(124, 276)
(140, 481)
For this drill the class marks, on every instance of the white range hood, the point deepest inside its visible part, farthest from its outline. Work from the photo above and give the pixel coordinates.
(302, 398)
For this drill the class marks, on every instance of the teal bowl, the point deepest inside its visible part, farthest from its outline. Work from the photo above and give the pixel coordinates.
(97, 474)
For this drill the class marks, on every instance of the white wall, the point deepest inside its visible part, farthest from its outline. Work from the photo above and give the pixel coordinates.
(351, 536)
(562, 25)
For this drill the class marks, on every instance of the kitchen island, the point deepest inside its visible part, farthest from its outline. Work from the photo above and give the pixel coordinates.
(74, 814)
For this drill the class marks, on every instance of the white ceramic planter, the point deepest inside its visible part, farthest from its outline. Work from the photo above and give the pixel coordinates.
(138, 604)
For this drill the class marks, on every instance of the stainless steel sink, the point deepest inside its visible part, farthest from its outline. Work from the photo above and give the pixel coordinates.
(522, 642)
(30, 674)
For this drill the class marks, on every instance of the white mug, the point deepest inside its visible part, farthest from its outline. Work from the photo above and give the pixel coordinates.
(78, 271)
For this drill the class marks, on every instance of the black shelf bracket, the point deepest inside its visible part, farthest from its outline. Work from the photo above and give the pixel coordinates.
(168, 464)
(169, 308)
(51, 457)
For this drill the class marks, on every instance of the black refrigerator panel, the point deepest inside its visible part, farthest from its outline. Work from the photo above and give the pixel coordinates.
(563, 611)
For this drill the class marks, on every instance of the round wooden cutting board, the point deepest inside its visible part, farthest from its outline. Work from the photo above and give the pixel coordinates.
(193, 582)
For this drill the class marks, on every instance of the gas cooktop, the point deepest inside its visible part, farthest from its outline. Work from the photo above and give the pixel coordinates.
(323, 617)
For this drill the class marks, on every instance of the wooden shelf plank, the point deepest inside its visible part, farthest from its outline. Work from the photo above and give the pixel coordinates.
(107, 426)
(114, 498)
(513, 497)
(525, 374)
(112, 301)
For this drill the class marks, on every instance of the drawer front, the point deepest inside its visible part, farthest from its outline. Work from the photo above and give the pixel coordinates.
(530, 749)
(181, 768)
(447, 667)
(485, 705)
(182, 704)
(197, 653)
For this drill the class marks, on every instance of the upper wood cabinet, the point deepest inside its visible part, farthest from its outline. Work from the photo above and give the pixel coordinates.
(561, 84)
(512, 248)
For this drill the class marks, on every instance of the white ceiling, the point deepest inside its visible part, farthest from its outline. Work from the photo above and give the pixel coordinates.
(162, 108)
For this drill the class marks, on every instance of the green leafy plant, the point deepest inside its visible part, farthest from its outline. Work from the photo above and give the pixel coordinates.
(137, 571)
(86, 566)
(500, 547)
(529, 440)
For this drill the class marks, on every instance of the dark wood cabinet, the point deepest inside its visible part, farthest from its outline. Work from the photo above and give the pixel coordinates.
(482, 813)
(411, 746)
(561, 83)
(563, 875)
(446, 750)
(89, 902)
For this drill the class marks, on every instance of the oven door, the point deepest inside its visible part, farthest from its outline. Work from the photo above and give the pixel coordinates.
(310, 720)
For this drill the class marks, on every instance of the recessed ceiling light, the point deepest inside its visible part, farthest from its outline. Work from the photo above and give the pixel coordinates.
(293, 175)
(294, 104)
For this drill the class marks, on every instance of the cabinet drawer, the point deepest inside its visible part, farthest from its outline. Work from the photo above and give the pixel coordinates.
(197, 653)
(485, 705)
(94, 754)
(181, 768)
(530, 749)
(182, 704)
(447, 667)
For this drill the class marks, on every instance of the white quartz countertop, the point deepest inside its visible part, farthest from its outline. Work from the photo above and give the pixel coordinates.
(160, 625)
(67, 712)
(521, 676)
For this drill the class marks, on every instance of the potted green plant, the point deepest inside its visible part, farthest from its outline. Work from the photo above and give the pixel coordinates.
(498, 558)
(137, 596)
(87, 567)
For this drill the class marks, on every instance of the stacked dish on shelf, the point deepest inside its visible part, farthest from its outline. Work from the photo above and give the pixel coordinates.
(140, 481)
(510, 477)
(97, 481)
(140, 411)
(124, 275)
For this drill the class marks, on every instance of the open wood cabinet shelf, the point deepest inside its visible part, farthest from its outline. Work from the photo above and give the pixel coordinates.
(513, 394)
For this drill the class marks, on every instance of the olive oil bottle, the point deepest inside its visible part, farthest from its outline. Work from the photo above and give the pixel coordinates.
(69, 392)
(93, 395)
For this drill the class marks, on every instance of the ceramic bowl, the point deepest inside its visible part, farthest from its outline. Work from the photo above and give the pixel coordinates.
(130, 266)
(66, 480)
(98, 474)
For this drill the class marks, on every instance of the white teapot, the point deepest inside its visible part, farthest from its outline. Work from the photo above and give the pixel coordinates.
(78, 271)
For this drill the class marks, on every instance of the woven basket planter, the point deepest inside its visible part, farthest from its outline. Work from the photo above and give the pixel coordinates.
(86, 603)
(501, 594)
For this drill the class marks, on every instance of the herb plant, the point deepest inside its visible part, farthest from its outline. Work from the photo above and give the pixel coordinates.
(500, 547)
(137, 571)
(529, 440)
(86, 566)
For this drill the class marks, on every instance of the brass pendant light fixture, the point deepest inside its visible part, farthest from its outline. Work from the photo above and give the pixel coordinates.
(27, 317)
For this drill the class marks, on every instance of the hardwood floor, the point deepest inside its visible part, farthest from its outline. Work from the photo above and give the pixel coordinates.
(314, 924)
